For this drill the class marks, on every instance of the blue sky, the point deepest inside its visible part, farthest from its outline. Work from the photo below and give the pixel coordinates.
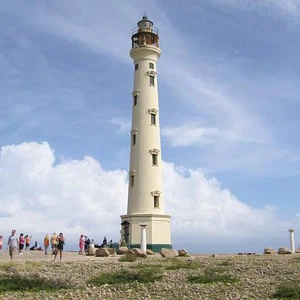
(229, 107)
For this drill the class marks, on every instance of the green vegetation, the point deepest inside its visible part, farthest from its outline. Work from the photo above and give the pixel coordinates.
(290, 290)
(182, 264)
(211, 275)
(127, 258)
(126, 276)
(154, 267)
(32, 264)
(7, 266)
(296, 260)
(225, 263)
(31, 283)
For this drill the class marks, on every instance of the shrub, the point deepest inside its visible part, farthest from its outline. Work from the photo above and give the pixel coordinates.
(126, 276)
(225, 263)
(7, 266)
(181, 264)
(127, 258)
(211, 276)
(30, 283)
(290, 290)
(296, 260)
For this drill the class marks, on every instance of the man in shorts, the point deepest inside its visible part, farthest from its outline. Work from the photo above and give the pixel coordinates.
(12, 244)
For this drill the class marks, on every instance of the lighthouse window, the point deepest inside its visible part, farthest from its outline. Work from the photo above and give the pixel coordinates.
(131, 180)
(154, 159)
(151, 80)
(156, 201)
(136, 67)
(153, 119)
(135, 99)
(133, 139)
(151, 66)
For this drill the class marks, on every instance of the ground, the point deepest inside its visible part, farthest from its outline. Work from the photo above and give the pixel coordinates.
(232, 276)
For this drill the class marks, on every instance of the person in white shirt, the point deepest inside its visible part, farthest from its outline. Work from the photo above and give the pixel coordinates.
(13, 244)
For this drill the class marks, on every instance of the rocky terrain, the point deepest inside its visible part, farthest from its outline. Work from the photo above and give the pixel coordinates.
(253, 276)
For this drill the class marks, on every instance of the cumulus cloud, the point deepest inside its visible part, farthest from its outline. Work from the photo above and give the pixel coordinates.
(39, 194)
(73, 196)
(189, 134)
(123, 125)
(284, 9)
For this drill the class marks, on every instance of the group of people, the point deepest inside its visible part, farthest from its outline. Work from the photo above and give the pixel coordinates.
(57, 244)
(22, 243)
(16, 244)
(85, 242)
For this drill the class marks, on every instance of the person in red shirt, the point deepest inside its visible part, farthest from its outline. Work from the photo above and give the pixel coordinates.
(21, 243)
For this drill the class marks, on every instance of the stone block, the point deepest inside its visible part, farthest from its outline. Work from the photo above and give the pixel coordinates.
(139, 252)
(102, 252)
(182, 252)
(122, 250)
(168, 253)
(150, 252)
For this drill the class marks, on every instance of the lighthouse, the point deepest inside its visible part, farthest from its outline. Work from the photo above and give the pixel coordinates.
(145, 207)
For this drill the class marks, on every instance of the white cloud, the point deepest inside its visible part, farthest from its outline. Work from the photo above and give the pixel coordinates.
(73, 196)
(280, 9)
(123, 125)
(79, 196)
(189, 134)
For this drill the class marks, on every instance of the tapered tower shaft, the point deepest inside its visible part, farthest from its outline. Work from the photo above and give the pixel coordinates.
(145, 189)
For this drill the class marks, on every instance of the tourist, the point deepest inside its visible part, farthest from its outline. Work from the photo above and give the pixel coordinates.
(1, 243)
(12, 244)
(86, 244)
(46, 243)
(53, 242)
(27, 242)
(81, 244)
(59, 246)
(21, 243)
(104, 243)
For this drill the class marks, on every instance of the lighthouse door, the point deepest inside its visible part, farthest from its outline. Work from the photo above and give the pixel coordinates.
(126, 233)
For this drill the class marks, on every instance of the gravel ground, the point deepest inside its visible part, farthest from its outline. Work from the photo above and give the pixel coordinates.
(257, 276)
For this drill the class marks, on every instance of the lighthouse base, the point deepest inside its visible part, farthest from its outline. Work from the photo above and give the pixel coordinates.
(158, 230)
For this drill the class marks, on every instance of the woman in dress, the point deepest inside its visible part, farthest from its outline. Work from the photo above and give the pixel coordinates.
(60, 246)
(81, 244)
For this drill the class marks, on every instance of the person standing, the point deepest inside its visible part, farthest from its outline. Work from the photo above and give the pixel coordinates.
(81, 244)
(60, 246)
(1, 243)
(46, 243)
(86, 244)
(12, 244)
(21, 243)
(53, 242)
(27, 242)
(104, 243)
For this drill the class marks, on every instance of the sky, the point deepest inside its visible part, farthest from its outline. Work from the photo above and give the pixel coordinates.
(228, 81)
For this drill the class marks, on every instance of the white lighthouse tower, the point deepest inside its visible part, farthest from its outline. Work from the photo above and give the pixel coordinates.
(145, 190)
